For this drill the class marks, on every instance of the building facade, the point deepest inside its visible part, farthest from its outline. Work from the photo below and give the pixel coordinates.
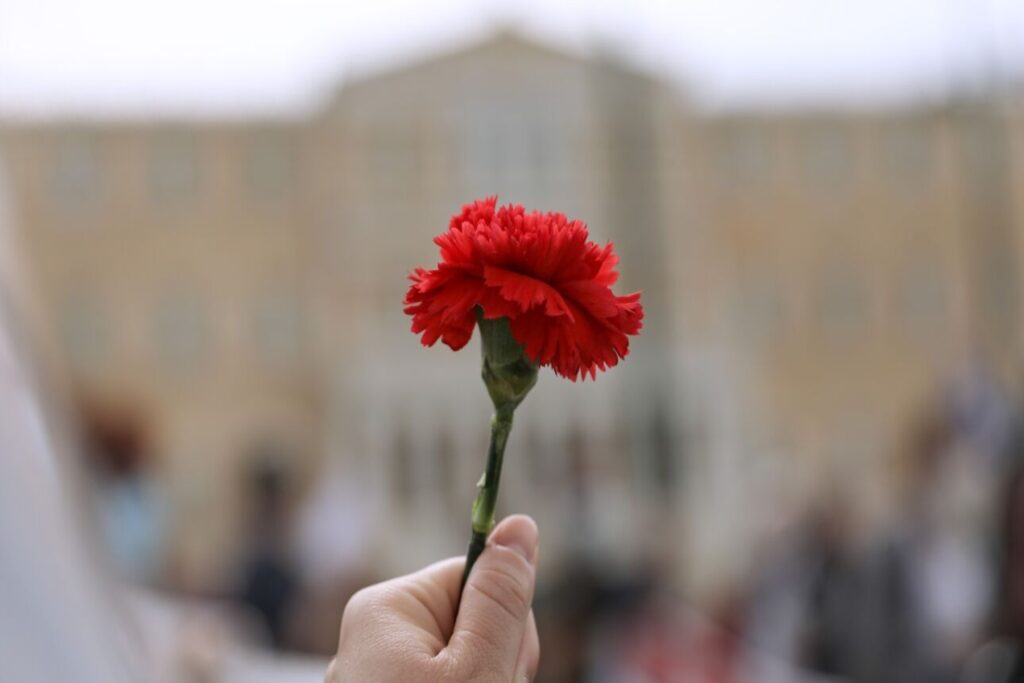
(811, 280)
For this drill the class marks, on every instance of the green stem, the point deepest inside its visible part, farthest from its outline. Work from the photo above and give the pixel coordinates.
(508, 375)
(487, 496)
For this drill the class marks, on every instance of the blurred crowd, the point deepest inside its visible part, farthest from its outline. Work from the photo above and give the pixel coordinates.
(933, 597)
(936, 595)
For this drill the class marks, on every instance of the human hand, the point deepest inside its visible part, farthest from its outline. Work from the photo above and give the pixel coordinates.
(413, 629)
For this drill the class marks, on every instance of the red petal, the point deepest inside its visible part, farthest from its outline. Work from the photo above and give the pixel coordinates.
(441, 304)
(526, 291)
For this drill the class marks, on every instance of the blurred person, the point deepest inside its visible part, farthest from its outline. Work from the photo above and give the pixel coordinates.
(131, 506)
(332, 547)
(777, 611)
(981, 414)
(581, 609)
(666, 641)
(906, 606)
(863, 612)
(65, 619)
(269, 577)
(944, 541)
(1001, 659)
(807, 605)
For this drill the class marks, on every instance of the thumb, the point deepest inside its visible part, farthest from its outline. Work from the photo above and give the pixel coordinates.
(495, 606)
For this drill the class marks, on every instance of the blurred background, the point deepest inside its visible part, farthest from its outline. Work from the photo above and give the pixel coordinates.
(809, 467)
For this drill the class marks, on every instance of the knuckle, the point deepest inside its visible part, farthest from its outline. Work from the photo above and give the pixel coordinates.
(359, 606)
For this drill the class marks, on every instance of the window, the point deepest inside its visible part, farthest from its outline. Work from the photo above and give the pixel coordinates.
(828, 157)
(84, 331)
(761, 307)
(402, 461)
(982, 144)
(174, 167)
(744, 156)
(270, 165)
(180, 330)
(923, 299)
(277, 327)
(907, 153)
(537, 458)
(77, 172)
(446, 468)
(842, 303)
(394, 158)
(665, 464)
(577, 456)
(522, 155)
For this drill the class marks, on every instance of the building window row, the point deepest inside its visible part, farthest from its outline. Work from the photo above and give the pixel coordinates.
(843, 305)
(182, 331)
(749, 155)
(177, 167)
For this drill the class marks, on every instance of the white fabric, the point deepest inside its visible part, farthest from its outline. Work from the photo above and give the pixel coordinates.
(57, 621)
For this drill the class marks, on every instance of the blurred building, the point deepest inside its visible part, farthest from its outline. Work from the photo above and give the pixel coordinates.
(170, 261)
(233, 290)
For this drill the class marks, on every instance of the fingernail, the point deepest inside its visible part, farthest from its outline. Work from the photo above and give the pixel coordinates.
(518, 533)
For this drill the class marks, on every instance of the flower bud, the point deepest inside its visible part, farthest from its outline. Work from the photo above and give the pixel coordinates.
(507, 372)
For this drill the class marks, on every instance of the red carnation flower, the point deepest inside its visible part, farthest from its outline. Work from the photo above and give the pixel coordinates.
(537, 269)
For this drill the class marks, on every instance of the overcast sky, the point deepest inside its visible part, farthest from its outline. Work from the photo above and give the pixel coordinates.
(262, 56)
